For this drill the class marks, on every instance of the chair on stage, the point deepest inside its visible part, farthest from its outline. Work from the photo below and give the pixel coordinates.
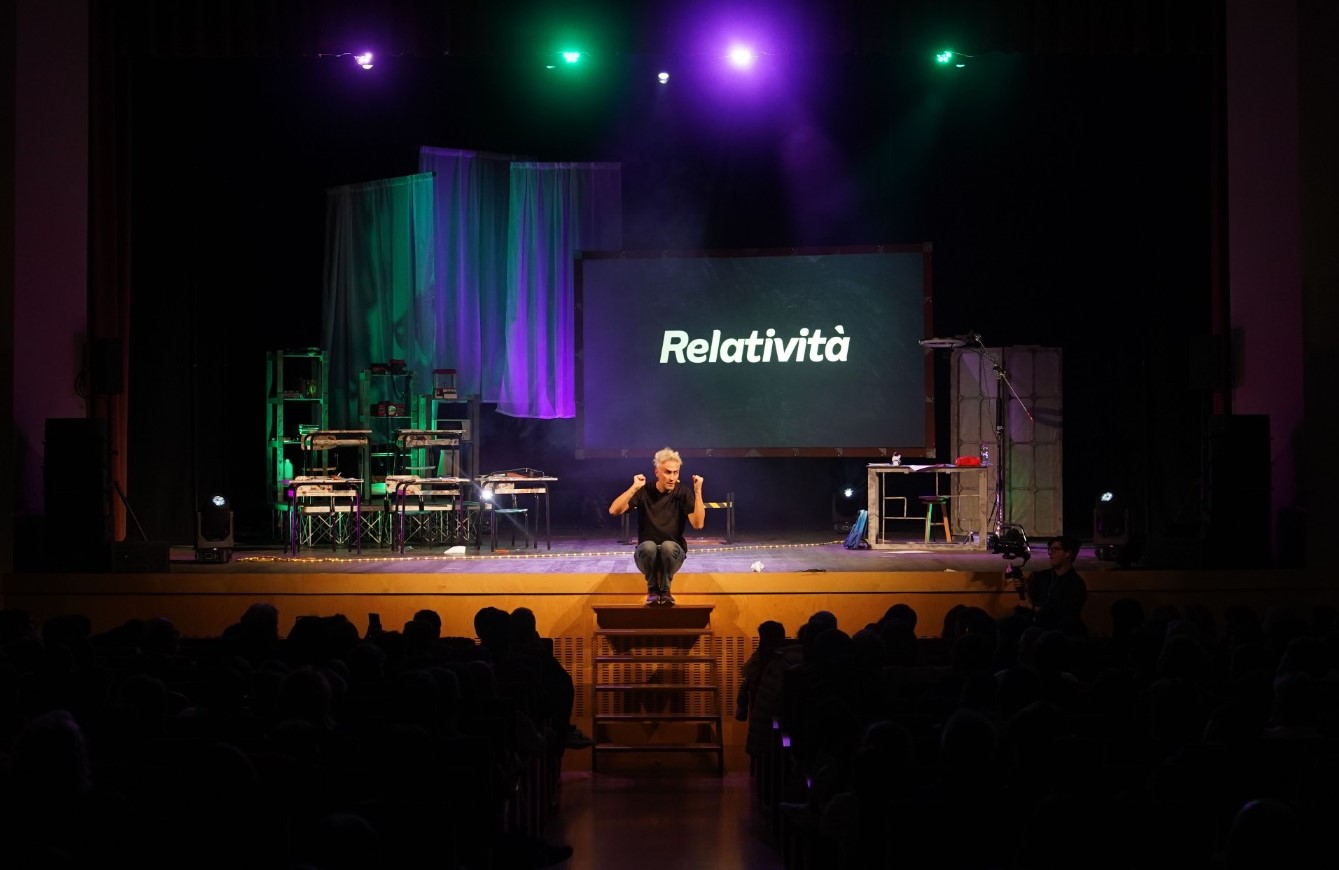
(516, 517)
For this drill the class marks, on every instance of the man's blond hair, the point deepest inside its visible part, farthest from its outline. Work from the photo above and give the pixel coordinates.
(665, 454)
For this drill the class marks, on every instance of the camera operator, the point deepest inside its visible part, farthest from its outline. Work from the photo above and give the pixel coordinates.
(1056, 595)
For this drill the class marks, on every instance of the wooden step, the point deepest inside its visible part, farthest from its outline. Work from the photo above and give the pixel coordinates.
(653, 717)
(656, 657)
(659, 747)
(653, 687)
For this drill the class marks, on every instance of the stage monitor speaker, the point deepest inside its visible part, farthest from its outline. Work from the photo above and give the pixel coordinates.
(1238, 492)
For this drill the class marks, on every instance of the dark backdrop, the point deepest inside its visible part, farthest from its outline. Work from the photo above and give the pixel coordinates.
(1067, 199)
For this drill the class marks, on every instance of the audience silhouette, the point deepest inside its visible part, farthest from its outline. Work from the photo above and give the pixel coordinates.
(1175, 740)
(1016, 745)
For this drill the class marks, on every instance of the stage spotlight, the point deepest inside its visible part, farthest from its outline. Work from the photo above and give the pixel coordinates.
(364, 60)
(213, 530)
(663, 78)
(741, 57)
(1111, 528)
(951, 58)
(571, 56)
(846, 506)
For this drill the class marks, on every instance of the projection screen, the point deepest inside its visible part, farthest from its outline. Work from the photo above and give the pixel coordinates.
(756, 353)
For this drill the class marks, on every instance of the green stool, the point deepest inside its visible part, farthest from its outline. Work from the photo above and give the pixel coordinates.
(942, 501)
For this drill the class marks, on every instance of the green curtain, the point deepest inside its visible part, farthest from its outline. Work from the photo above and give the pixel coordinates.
(379, 277)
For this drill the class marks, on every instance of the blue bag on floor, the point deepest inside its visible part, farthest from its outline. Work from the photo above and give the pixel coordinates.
(855, 539)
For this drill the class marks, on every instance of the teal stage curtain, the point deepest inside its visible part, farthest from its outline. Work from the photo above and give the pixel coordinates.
(379, 275)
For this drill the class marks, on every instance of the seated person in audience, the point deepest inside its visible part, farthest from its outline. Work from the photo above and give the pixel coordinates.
(560, 687)
(771, 635)
(1057, 594)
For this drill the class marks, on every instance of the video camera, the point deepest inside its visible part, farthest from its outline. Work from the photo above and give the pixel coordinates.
(1011, 543)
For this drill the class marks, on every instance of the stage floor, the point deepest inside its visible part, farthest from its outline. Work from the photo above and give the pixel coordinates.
(600, 552)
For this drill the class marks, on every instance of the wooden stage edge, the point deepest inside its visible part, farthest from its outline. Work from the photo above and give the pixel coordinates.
(204, 604)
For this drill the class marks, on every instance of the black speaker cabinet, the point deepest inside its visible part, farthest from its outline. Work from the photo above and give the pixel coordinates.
(1238, 492)
(76, 484)
(104, 366)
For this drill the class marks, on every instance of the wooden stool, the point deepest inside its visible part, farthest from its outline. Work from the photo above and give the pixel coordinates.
(930, 501)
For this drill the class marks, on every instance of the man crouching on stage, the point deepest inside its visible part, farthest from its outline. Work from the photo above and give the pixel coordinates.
(661, 512)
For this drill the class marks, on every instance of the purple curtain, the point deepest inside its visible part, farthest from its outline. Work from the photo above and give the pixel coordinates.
(557, 210)
(468, 305)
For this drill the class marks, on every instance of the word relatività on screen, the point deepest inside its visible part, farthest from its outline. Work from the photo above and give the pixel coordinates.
(678, 347)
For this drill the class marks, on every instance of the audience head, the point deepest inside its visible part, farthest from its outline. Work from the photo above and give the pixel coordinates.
(1265, 832)
(968, 741)
(523, 622)
(1067, 544)
(493, 628)
(305, 695)
(1126, 615)
(49, 760)
(525, 630)
(771, 633)
(260, 621)
(902, 612)
(431, 619)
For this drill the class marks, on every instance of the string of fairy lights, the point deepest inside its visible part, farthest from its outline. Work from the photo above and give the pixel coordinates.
(445, 557)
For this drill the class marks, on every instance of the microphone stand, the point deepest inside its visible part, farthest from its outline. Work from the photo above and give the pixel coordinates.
(973, 340)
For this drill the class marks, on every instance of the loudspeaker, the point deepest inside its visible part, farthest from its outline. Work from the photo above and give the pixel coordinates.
(76, 485)
(104, 366)
(1238, 491)
(1204, 363)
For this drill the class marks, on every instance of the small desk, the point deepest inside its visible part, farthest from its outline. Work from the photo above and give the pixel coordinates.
(435, 495)
(322, 441)
(327, 497)
(514, 484)
(415, 446)
(877, 477)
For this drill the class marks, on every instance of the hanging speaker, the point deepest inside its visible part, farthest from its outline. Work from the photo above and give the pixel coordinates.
(104, 366)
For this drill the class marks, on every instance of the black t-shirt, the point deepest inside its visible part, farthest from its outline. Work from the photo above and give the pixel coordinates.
(661, 516)
(1058, 598)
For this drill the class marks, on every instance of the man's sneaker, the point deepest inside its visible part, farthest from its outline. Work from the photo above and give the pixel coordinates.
(666, 598)
(652, 597)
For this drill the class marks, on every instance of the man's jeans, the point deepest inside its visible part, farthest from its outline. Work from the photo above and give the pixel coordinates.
(663, 560)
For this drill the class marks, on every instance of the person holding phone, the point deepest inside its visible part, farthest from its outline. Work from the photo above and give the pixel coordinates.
(662, 512)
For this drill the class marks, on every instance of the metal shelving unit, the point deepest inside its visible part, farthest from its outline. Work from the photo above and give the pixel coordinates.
(297, 389)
